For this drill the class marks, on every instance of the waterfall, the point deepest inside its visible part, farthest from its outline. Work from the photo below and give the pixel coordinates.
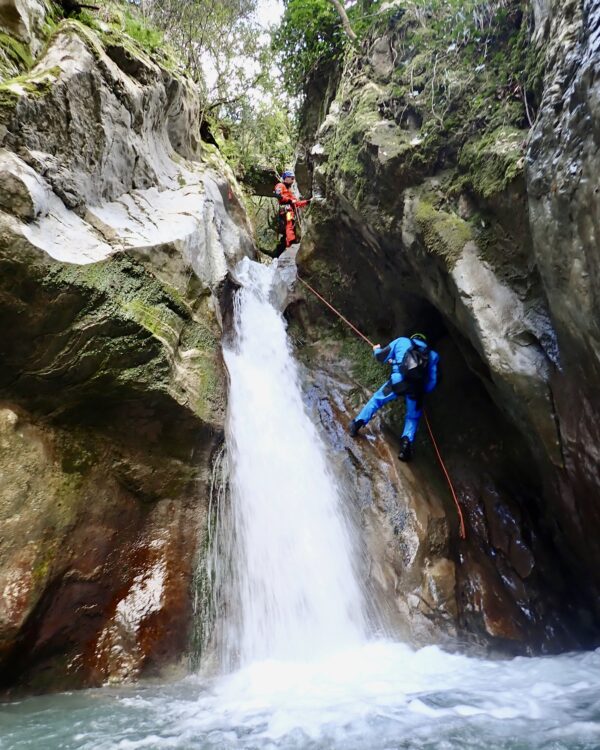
(289, 583)
(205, 603)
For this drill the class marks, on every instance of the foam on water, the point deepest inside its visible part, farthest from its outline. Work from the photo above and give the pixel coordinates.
(375, 695)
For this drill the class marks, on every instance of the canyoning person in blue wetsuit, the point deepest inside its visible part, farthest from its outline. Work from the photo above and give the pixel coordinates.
(414, 373)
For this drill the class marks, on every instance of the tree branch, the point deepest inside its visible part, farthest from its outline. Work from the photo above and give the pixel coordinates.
(224, 102)
(341, 11)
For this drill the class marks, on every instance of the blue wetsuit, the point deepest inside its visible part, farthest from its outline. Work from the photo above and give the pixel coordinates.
(393, 354)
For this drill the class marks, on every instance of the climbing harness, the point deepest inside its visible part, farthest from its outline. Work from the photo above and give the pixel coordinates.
(463, 533)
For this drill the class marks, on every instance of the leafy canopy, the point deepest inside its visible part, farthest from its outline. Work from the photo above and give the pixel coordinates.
(309, 33)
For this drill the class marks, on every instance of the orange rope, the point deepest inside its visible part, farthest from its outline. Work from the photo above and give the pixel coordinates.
(339, 314)
(463, 534)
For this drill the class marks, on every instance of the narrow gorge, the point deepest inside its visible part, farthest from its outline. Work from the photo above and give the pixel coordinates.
(195, 552)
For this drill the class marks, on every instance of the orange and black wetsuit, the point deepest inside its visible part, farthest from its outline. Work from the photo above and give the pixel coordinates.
(288, 203)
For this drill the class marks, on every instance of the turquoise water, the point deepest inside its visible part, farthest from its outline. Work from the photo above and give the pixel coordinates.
(380, 696)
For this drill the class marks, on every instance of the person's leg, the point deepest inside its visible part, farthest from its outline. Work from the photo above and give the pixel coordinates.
(281, 242)
(413, 416)
(280, 247)
(290, 232)
(381, 397)
(414, 410)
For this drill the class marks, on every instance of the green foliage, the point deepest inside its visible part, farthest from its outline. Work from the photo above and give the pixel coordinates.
(117, 19)
(309, 34)
(146, 36)
(14, 52)
(218, 41)
(256, 133)
(465, 21)
(228, 54)
(87, 19)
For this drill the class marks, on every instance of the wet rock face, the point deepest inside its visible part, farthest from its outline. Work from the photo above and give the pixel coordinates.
(564, 209)
(441, 209)
(94, 577)
(403, 529)
(117, 229)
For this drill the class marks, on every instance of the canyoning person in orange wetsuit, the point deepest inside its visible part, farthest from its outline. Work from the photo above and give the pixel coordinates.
(289, 202)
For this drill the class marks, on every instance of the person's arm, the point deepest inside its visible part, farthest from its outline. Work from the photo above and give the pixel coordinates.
(382, 355)
(282, 195)
(432, 372)
(302, 203)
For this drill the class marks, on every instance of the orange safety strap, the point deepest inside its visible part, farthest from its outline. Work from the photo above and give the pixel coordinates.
(463, 533)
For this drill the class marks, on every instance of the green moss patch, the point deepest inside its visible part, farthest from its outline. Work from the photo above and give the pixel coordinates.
(444, 234)
(15, 56)
(365, 369)
(346, 149)
(37, 84)
(159, 320)
(129, 32)
(12, 90)
(494, 161)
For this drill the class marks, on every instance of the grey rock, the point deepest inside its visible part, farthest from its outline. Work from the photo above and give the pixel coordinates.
(488, 240)
(117, 231)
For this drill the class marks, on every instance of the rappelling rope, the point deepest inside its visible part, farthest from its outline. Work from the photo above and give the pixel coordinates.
(339, 314)
(463, 533)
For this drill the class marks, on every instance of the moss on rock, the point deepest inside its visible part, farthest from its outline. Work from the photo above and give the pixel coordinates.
(493, 162)
(35, 84)
(15, 56)
(121, 29)
(346, 148)
(109, 329)
(444, 234)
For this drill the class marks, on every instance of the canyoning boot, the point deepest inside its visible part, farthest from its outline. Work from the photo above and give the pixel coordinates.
(405, 453)
(354, 427)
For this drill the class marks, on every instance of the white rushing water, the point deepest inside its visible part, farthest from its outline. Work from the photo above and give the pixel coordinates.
(293, 592)
(307, 677)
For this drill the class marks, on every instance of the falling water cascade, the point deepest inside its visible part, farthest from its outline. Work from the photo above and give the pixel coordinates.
(293, 588)
(300, 666)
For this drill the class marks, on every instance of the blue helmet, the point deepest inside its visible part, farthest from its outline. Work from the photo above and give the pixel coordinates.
(287, 173)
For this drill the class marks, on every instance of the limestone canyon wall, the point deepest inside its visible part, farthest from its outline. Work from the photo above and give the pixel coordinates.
(456, 193)
(117, 227)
